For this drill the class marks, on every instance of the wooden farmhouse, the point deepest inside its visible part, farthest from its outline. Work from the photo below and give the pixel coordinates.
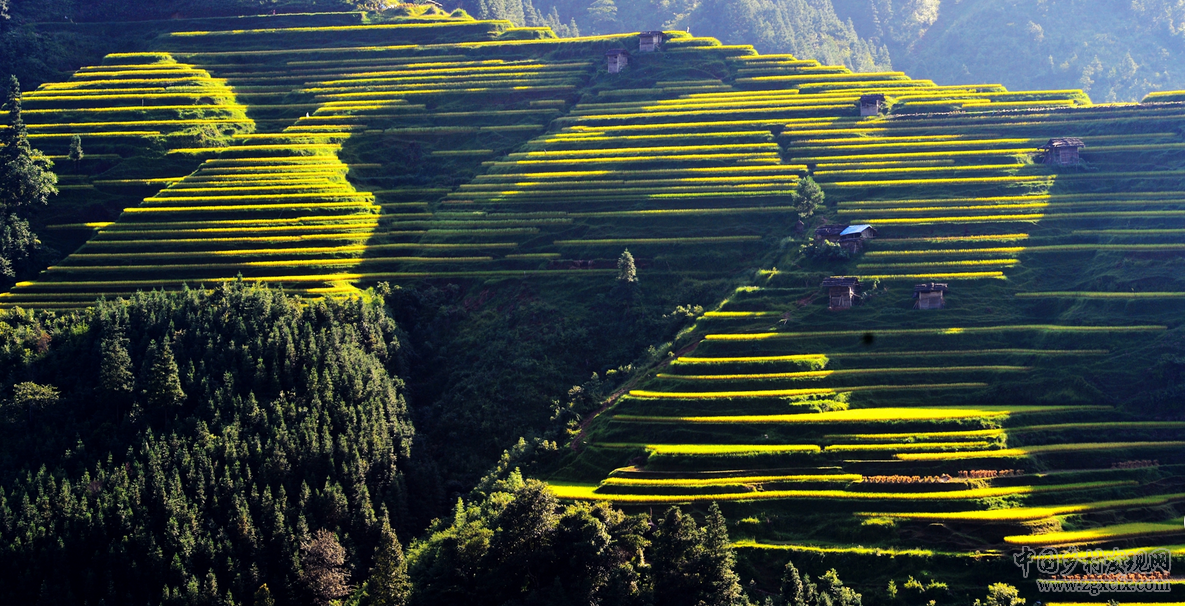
(648, 42)
(616, 59)
(842, 292)
(1063, 151)
(929, 296)
(870, 105)
(851, 237)
(855, 235)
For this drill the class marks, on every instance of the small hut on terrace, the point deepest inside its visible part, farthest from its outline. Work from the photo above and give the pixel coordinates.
(830, 232)
(1062, 151)
(841, 292)
(853, 236)
(870, 105)
(929, 296)
(616, 59)
(649, 42)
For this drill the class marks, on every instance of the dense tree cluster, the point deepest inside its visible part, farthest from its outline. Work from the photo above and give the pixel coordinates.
(25, 181)
(189, 448)
(519, 546)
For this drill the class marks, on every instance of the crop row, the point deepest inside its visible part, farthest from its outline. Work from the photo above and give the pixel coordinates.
(820, 374)
(1028, 451)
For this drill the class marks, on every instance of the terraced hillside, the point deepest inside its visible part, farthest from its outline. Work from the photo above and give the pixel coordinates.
(1033, 409)
(1009, 417)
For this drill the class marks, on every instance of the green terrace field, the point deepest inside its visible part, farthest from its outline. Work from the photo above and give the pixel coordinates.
(324, 158)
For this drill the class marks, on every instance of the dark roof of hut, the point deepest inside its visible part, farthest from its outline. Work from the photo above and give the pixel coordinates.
(840, 281)
(650, 33)
(929, 287)
(1064, 142)
(830, 231)
(616, 51)
(872, 97)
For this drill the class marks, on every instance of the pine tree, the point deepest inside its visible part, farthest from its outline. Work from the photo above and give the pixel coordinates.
(115, 367)
(163, 389)
(75, 154)
(793, 592)
(25, 179)
(389, 584)
(723, 583)
(25, 176)
(627, 271)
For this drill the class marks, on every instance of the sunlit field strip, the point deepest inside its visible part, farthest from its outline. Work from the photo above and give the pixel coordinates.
(715, 180)
(840, 76)
(1026, 514)
(1045, 248)
(363, 207)
(1095, 535)
(137, 109)
(1100, 295)
(775, 113)
(194, 122)
(781, 393)
(905, 332)
(906, 446)
(668, 241)
(917, 155)
(588, 493)
(883, 139)
(290, 263)
(1034, 217)
(819, 374)
(965, 263)
(926, 435)
(718, 449)
(742, 314)
(98, 285)
(881, 551)
(915, 169)
(888, 354)
(729, 481)
(913, 143)
(629, 174)
(327, 188)
(255, 148)
(949, 181)
(1049, 207)
(1027, 451)
(644, 150)
(1107, 426)
(342, 236)
(867, 415)
(969, 124)
(770, 158)
(1128, 232)
(265, 252)
(131, 133)
(578, 137)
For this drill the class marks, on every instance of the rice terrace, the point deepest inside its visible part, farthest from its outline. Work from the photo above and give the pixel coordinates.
(918, 327)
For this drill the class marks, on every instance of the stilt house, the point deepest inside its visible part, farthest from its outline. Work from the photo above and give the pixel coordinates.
(929, 296)
(1063, 151)
(616, 59)
(649, 42)
(870, 105)
(841, 292)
